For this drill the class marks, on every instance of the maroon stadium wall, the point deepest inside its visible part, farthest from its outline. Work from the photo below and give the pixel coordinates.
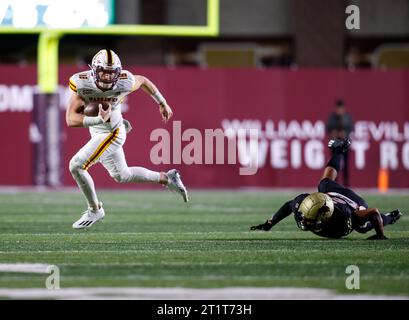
(288, 108)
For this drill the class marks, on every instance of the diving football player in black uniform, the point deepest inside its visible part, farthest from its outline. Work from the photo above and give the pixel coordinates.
(334, 211)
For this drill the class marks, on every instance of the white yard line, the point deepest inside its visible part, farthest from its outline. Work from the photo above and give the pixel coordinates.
(188, 294)
(24, 267)
(245, 293)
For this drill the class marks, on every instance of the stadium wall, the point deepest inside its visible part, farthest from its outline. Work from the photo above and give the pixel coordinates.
(288, 108)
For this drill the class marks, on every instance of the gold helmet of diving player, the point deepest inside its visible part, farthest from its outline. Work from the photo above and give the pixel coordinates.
(106, 68)
(315, 209)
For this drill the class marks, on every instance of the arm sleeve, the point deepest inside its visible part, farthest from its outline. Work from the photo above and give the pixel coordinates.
(282, 213)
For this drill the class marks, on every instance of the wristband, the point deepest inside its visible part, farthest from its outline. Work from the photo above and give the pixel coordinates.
(91, 121)
(157, 96)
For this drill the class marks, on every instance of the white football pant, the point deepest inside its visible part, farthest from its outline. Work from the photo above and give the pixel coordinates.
(106, 147)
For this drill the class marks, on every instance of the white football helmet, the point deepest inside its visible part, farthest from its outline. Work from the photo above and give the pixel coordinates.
(106, 68)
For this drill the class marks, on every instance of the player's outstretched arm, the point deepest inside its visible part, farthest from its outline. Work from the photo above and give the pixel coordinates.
(150, 88)
(281, 214)
(375, 217)
(266, 226)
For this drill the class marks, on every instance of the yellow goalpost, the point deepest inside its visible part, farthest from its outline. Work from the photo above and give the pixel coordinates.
(46, 102)
(47, 57)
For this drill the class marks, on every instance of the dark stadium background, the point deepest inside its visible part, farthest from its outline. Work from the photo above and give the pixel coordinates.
(280, 61)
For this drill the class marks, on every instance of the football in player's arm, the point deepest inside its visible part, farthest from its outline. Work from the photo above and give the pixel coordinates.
(334, 211)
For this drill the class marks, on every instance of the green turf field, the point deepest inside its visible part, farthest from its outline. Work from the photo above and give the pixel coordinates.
(152, 239)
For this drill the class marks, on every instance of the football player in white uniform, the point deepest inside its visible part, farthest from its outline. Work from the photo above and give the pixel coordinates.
(107, 82)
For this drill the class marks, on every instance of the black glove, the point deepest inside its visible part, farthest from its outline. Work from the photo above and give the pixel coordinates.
(264, 226)
(376, 237)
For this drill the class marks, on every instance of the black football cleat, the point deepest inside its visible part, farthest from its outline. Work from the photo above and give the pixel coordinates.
(395, 214)
(339, 145)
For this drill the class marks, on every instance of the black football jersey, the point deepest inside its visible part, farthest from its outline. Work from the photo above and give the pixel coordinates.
(339, 225)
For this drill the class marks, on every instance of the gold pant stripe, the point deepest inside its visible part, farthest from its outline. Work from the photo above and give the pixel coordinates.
(101, 148)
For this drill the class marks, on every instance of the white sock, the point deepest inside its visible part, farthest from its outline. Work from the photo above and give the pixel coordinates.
(86, 184)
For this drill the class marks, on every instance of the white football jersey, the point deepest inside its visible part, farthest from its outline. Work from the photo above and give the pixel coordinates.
(83, 84)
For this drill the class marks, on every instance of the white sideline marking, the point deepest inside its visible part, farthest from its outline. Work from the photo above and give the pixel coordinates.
(24, 267)
(237, 293)
(245, 293)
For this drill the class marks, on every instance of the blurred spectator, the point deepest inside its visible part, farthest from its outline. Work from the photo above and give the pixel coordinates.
(355, 58)
(339, 126)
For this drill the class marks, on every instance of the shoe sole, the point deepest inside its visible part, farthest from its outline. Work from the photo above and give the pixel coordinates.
(182, 192)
